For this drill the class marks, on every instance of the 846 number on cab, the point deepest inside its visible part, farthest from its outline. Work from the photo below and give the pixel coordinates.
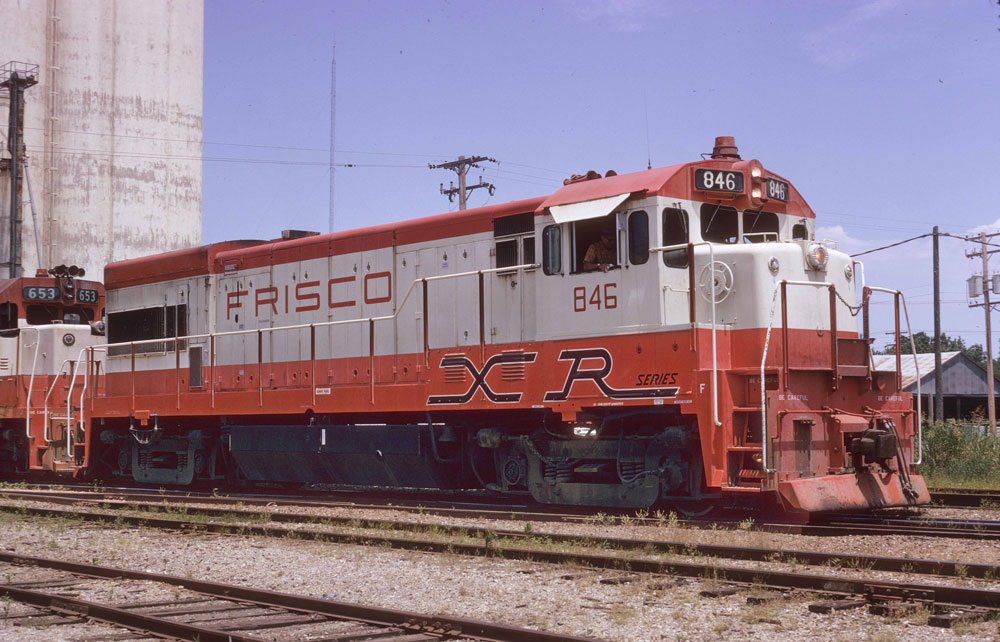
(600, 297)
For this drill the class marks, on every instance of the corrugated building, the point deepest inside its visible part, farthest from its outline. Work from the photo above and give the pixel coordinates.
(963, 381)
(112, 129)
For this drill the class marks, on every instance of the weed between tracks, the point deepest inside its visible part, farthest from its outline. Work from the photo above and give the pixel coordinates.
(960, 457)
(526, 544)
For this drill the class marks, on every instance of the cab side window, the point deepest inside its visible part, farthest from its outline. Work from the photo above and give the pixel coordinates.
(638, 237)
(675, 232)
(800, 232)
(595, 244)
(8, 316)
(552, 249)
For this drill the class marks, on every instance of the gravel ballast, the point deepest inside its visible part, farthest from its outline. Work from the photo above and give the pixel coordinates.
(554, 598)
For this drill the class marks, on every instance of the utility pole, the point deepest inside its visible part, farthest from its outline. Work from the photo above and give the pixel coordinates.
(991, 402)
(938, 377)
(460, 167)
(333, 124)
(987, 285)
(16, 77)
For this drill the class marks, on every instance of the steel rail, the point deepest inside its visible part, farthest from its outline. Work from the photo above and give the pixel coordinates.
(941, 594)
(416, 622)
(824, 527)
(945, 568)
(960, 498)
(121, 617)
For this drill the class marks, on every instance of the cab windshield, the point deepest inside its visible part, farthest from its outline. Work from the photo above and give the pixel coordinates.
(47, 314)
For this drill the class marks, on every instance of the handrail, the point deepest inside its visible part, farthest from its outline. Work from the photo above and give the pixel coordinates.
(691, 285)
(86, 378)
(212, 335)
(763, 360)
(31, 379)
(48, 394)
(322, 324)
(69, 409)
(916, 366)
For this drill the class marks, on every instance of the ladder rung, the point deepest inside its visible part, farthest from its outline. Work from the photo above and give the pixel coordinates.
(741, 489)
(852, 371)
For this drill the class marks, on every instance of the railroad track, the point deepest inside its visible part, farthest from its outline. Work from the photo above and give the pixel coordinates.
(951, 604)
(890, 523)
(236, 613)
(245, 522)
(966, 497)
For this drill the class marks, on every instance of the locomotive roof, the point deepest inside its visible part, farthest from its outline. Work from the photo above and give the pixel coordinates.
(670, 181)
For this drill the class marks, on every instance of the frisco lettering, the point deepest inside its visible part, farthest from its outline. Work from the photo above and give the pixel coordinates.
(311, 295)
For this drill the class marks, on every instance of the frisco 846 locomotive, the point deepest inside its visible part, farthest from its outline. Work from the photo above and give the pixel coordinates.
(675, 335)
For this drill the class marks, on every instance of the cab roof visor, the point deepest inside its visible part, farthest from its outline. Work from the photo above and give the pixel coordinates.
(583, 210)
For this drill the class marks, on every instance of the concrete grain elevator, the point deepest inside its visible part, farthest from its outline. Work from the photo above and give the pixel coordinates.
(111, 131)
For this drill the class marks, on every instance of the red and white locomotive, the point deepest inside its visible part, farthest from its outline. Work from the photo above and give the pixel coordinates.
(705, 350)
(44, 321)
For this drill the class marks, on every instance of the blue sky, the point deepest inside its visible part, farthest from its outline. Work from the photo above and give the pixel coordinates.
(883, 113)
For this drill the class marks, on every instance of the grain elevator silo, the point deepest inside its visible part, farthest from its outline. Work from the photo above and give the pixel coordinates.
(112, 129)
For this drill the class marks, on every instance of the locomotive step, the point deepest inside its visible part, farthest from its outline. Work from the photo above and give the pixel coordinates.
(748, 448)
(853, 371)
(741, 489)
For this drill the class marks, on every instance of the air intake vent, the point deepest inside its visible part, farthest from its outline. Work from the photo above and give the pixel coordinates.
(512, 371)
(515, 224)
(456, 373)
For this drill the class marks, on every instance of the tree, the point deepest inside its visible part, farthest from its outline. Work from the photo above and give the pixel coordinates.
(924, 344)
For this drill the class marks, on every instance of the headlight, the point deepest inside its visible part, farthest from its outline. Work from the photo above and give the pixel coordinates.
(849, 271)
(817, 256)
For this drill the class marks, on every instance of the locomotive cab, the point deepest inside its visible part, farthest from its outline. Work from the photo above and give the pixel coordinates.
(752, 323)
(45, 321)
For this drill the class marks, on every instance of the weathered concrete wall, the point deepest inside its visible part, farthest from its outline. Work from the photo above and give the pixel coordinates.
(113, 128)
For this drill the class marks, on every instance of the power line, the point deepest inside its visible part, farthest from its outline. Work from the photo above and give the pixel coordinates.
(898, 243)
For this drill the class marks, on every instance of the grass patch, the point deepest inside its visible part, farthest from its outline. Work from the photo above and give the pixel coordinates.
(960, 457)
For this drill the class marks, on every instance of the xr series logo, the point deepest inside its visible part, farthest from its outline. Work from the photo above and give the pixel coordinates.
(576, 373)
(479, 378)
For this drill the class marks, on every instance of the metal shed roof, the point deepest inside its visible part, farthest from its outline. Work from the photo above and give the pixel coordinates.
(960, 374)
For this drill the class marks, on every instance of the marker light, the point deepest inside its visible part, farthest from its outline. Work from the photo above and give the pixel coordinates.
(817, 256)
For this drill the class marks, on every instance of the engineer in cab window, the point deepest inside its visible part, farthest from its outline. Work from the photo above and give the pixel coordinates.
(601, 254)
